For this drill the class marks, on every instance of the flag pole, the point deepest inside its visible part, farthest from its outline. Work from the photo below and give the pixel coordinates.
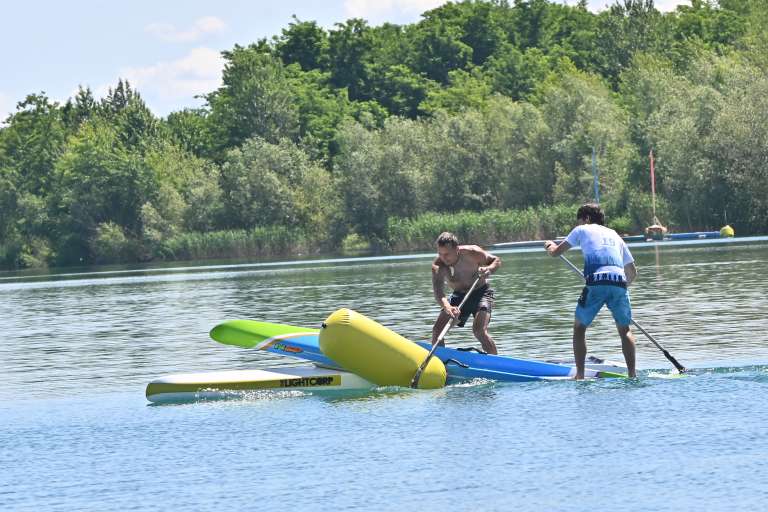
(594, 173)
(653, 189)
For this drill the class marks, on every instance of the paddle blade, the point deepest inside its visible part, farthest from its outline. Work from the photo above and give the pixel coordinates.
(610, 375)
(416, 378)
(680, 368)
(249, 333)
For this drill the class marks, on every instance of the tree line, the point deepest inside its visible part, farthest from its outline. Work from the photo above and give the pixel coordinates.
(317, 137)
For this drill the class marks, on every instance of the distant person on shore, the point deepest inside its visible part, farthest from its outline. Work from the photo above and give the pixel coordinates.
(608, 269)
(460, 265)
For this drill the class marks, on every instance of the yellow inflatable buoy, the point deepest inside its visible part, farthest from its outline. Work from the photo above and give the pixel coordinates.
(376, 353)
(727, 231)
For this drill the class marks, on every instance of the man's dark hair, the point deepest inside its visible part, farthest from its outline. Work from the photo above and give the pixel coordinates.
(592, 213)
(447, 238)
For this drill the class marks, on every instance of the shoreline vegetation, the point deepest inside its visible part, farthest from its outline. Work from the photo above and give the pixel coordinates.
(404, 235)
(482, 118)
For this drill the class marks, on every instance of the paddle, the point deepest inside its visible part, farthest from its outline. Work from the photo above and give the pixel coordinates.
(423, 365)
(669, 357)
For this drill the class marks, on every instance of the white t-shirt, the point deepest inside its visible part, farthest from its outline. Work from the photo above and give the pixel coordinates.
(605, 253)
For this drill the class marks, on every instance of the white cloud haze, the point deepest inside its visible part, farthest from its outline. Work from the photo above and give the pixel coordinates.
(197, 72)
(379, 10)
(201, 27)
(670, 5)
(173, 83)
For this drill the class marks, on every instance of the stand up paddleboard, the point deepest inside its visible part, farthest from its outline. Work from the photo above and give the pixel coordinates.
(363, 354)
(304, 344)
(187, 387)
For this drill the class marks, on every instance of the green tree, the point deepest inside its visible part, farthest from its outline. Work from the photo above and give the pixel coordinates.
(399, 89)
(254, 100)
(191, 129)
(81, 110)
(479, 24)
(98, 181)
(574, 35)
(628, 28)
(118, 98)
(738, 149)
(349, 54)
(533, 24)
(10, 238)
(466, 91)
(489, 158)
(303, 43)
(110, 244)
(479, 105)
(32, 142)
(134, 123)
(188, 197)
(439, 49)
(516, 74)
(321, 109)
(644, 89)
(381, 173)
(390, 45)
(708, 136)
(718, 28)
(581, 114)
(8, 205)
(261, 183)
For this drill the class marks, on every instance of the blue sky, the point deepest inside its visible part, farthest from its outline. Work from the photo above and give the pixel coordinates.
(168, 49)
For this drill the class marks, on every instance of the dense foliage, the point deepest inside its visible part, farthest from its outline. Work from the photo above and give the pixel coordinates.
(482, 117)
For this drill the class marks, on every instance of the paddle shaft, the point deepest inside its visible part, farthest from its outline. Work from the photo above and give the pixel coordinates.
(423, 365)
(669, 357)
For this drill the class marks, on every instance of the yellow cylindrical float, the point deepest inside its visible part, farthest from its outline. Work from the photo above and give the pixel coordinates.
(376, 353)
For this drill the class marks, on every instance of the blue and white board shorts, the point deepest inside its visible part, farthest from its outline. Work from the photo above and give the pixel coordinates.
(593, 298)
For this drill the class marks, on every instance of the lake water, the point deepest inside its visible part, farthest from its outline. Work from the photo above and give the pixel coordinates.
(76, 432)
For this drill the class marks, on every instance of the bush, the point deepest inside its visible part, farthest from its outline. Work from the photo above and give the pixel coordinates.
(622, 225)
(482, 228)
(110, 245)
(10, 253)
(258, 242)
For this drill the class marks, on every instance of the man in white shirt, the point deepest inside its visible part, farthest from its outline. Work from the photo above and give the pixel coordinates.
(608, 269)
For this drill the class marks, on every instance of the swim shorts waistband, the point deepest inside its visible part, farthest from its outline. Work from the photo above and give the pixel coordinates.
(606, 280)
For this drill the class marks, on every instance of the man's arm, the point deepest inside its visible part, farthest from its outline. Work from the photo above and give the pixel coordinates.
(436, 263)
(556, 249)
(488, 262)
(438, 285)
(630, 270)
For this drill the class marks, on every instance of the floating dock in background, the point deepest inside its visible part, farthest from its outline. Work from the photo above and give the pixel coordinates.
(674, 239)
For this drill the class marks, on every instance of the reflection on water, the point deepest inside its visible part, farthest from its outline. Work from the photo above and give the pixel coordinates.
(71, 334)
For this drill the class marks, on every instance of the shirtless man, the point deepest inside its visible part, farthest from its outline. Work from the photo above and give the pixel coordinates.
(460, 265)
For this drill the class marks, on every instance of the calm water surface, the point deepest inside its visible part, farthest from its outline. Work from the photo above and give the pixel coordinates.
(76, 432)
